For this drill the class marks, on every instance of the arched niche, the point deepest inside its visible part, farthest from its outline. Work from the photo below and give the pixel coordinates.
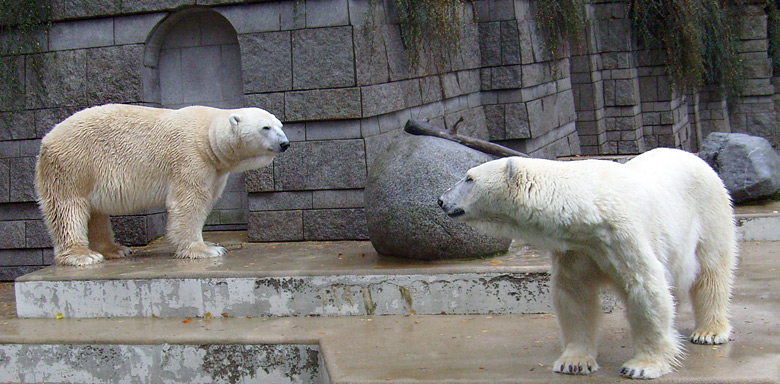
(192, 57)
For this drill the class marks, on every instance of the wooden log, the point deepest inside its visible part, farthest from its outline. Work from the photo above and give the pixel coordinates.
(416, 127)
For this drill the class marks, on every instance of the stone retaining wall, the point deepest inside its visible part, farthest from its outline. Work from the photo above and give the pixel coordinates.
(336, 73)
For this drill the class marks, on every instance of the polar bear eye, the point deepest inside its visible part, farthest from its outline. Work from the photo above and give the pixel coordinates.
(469, 179)
(266, 128)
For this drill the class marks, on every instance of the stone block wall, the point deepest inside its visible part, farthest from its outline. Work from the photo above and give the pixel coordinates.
(336, 73)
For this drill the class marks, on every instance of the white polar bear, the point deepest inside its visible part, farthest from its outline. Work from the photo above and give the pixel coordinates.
(120, 159)
(658, 226)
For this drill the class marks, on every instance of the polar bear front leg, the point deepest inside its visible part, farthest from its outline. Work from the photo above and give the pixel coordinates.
(188, 207)
(575, 291)
(101, 237)
(650, 310)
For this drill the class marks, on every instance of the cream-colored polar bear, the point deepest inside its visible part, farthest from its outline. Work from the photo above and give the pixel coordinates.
(121, 159)
(658, 226)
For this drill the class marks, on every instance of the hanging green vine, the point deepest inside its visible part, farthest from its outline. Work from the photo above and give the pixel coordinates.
(430, 27)
(560, 22)
(698, 37)
(21, 25)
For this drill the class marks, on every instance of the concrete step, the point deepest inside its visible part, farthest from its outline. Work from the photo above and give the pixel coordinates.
(286, 279)
(379, 349)
(308, 279)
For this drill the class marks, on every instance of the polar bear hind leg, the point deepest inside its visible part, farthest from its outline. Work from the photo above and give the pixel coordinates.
(711, 292)
(67, 219)
(101, 237)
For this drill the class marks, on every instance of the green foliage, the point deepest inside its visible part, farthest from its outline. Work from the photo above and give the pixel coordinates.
(773, 32)
(698, 38)
(431, 28)
(560, 22)
(22, 21)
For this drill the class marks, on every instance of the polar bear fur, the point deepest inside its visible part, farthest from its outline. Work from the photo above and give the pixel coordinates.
(121, 159)
(657, 227)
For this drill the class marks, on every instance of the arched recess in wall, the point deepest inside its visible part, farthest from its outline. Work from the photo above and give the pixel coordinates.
(192, 57)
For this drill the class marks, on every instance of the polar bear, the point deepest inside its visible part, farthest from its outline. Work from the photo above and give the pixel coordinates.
(657, 227)
(120, 159)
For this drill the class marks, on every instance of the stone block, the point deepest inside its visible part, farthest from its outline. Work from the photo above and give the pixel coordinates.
(13, 234)
(382, 98)
(5, 184)
(334, 224)
(323, 58)
(517, 125)
(333, 164)
(260, 180)
(233, 216)
(490, 43)
(36, 235)
(253, 18)
(56, 79)
(139, 6)
(328, 104)
(20, 211)
(271, 102)
(72, 9)
(18, 257)
(431, 89)
(22, 175)
(12, 84)
(280, 201)
(266, 61)
(327, 13)
(81, 34)
(235, 183)
(411, 93)
(753, 27)
(333, 130)
(17, 125)
(135, 29)
(506, 77)
(343, 198)
(130, 230)
(275, 226)
(293, 15)
(370, 56)
(494, 118)
(231, 200)
(156, 225)
(114, 74)
(510, 43)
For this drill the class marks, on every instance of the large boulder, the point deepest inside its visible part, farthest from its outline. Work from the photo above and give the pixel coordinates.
(404, 185)
(748, 165)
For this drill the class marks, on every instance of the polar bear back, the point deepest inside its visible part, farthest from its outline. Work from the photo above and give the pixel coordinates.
(123, 157)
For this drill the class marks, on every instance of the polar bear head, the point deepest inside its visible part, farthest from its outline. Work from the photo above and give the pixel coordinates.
(474, 197)
(258, 132)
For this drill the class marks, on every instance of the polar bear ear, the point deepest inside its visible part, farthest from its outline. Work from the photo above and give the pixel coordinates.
(510, 169)
(234, 119)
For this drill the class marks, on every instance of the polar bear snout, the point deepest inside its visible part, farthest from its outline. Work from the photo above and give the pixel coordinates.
(284, 145)
(449, 208)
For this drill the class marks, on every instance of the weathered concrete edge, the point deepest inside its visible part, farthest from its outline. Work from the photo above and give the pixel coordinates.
(348, 295)
(758, 227)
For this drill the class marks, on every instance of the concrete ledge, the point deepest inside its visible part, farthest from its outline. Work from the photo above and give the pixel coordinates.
(287, 279)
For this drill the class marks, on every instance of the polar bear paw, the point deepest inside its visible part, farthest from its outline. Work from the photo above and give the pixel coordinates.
(575, 364)
(116, 251)
(710, 336)
(201, 251)
(78, 257)
(645, 368)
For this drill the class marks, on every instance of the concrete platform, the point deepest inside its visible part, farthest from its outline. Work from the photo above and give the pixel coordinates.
(286, 279)
(403, 349)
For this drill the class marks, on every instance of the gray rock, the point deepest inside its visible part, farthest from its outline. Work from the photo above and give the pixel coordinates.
(748, 165)
(404, 184)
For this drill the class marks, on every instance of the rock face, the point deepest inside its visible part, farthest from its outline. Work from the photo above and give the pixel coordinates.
(748, 165)
(404, 184)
